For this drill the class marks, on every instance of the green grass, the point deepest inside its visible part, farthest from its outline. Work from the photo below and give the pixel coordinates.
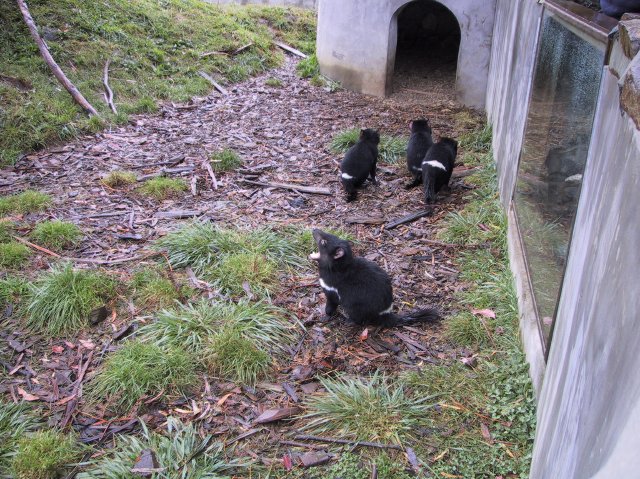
(155, 48)
(153, 289)
(15, 422)
(236, 358)
(28, 201)
(225, 160)
(497, 393)
(273, 82)
(391, 150)
(7, 230)
(56, 234)
(366, 409)
(13, 254)
(119, 178)
(45, 455)
(12, 290)
(352, 465)
(162, 187)
(142, 370)
(193, 326)
(182, 452)
(251, 271)
(235, 258)
(308, 67)
(62, 298)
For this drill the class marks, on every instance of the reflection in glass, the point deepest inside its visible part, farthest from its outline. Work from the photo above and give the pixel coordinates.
(563, 101)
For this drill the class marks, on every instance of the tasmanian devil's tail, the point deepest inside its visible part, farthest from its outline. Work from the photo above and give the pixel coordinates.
(427, 315)
(429, 190)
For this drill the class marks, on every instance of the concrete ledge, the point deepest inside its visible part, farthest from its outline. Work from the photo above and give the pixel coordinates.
(529, 332)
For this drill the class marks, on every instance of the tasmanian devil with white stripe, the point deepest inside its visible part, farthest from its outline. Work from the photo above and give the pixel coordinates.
(419, 143)
(360, 162)
(437, 167)
(360, 286)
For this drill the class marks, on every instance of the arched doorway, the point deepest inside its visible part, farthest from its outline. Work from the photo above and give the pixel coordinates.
(426, 51)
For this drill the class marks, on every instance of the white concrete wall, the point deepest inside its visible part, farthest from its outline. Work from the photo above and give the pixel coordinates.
(589, 410)
(356, 44)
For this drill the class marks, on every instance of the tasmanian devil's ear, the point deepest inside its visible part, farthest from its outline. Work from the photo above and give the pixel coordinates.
(338, 253)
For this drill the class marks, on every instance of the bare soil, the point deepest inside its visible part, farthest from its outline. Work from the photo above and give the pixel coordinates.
(282, 134)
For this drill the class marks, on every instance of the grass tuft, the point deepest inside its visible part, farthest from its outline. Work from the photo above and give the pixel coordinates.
(273, 82)
(232, 257)
(308, 67)
(237, 273)
(142, 369)
(61, 299)
(225, 160)
(12, 289)
(29, 201)
(193, 326)
(354, 466)
(13, 254)
(56, 234)
(7, 230)
(117, 179)
(373, 409)
(182, 452)
(236, 358)
(45, 455)
(15, 422)
(391, 149)
(162, 187)
(153, 290)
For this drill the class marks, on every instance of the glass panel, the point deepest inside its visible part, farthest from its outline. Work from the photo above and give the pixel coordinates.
(563, 101)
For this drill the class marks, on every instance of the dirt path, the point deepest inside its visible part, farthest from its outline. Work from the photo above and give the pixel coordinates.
(282, 134)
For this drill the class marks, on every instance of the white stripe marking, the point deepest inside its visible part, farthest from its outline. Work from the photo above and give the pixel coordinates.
(347, 176)
(415, 168)
(387, 311)
(326, 287)
(435, 164)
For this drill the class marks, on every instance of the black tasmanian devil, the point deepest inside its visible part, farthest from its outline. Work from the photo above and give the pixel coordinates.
(419, 143)
(359, 285)
(437, 167)
(360, 162)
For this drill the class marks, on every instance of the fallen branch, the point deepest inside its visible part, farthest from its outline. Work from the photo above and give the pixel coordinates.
(304, 437)
(207, 166)
(108, 95)
(51, 63)
(111, 261)
(286, 186)
(374, 220)
(463, 173)
(215, 84)
(409, 218)
(242, 48)
(35, 246)
(291, 50)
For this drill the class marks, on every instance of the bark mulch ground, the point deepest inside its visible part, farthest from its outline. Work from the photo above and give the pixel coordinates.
(282, 135)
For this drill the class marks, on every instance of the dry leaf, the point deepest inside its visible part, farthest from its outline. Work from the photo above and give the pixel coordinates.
(27, 396)
(364, 334)
(57, 349)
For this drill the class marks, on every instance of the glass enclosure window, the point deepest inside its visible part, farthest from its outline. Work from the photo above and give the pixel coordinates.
(563, 101)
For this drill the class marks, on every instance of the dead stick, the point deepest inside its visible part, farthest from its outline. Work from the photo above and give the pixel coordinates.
(51, 63)
(215, 84)
(291, 49)
(304, 437)
(109, 261)
(409, 218)
(286, 186)
(35, 246)
(207, 167)
(108, 96)
(72, 404)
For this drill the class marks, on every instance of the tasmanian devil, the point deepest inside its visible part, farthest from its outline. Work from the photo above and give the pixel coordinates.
(437, 167)
(359, 285)
(419, 143)
(360, 162)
